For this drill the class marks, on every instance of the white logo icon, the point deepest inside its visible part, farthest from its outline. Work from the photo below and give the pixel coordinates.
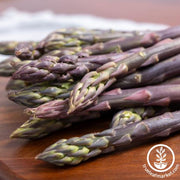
(161, 164)
(161, 158)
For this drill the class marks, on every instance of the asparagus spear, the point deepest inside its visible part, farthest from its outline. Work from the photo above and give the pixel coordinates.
(95, 82)
(58, 39)
(36, 128)
(50, 68)
(16, 65)
(94, 35)
(88, 35)
(26, 51)
(34, 95)
(6, 68)
(70, 38)
(160, 95)
(9, 65)
(75, 150)
(152, 75)
(104, 36)
(8, 47)
(126, 42)
(140, 39)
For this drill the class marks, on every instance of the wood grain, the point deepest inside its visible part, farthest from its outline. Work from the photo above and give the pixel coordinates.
(8, 174)
(17, 156)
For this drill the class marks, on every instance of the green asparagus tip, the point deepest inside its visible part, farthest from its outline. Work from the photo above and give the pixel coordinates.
(15, 134)
(19, 133)
(39, 157)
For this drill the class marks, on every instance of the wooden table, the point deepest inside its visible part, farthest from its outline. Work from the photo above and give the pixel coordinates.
(17, 156)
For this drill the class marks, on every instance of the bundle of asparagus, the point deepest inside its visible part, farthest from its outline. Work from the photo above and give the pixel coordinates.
(149, 76)
(76, 74)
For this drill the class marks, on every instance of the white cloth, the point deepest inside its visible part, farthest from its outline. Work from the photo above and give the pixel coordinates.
(23, 26)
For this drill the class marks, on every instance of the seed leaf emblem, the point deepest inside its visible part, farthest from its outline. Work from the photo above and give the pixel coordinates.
(161, 164)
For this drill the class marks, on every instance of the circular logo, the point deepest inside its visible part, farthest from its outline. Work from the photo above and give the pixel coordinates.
(160, 158)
